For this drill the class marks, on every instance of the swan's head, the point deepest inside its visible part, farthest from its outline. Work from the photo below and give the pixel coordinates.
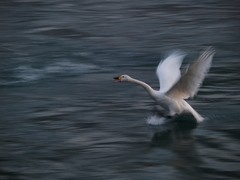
(122, 78)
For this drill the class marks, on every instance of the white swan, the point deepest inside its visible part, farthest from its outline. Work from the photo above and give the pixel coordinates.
(174, 88)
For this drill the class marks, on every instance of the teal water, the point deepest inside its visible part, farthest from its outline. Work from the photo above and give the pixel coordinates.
(62, 115)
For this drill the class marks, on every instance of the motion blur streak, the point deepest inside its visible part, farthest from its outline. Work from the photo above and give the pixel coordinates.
(62, 115)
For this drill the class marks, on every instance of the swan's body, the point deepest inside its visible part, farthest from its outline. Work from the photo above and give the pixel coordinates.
(174, 88)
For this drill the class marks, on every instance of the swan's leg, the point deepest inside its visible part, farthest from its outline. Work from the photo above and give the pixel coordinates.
(163, 113)
(158, 111)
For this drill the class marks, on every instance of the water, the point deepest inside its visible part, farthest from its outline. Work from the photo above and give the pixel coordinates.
(62, 117)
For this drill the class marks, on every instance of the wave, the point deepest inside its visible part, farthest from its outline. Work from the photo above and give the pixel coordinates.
(27, 73)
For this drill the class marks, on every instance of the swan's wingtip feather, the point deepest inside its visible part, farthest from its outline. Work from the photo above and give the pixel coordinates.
(209, 50)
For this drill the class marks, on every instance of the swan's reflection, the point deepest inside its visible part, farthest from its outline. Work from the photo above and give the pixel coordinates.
(175, 135)
(169, 130)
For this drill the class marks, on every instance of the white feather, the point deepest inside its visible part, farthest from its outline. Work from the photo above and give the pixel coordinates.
(188, 85)
(168, 71)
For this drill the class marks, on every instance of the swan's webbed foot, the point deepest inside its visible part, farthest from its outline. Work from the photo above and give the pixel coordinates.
(170, 115)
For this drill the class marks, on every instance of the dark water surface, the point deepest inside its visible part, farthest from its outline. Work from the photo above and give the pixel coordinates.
(62, 117)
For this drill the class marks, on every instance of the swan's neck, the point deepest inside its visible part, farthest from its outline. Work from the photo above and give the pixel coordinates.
(148, 88)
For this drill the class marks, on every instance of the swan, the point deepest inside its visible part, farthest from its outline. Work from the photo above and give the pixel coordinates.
(174, 87)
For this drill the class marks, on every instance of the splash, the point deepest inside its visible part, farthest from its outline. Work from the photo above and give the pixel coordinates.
(156, 120)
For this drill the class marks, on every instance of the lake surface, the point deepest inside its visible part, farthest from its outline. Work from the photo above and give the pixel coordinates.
(62, 115)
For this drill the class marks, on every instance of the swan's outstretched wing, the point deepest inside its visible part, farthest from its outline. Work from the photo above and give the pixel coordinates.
(189, 83)
(168, 71)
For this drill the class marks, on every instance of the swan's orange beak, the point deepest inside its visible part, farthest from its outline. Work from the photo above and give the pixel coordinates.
(118, 79)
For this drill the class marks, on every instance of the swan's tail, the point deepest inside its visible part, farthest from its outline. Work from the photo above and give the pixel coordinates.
(197, 116)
